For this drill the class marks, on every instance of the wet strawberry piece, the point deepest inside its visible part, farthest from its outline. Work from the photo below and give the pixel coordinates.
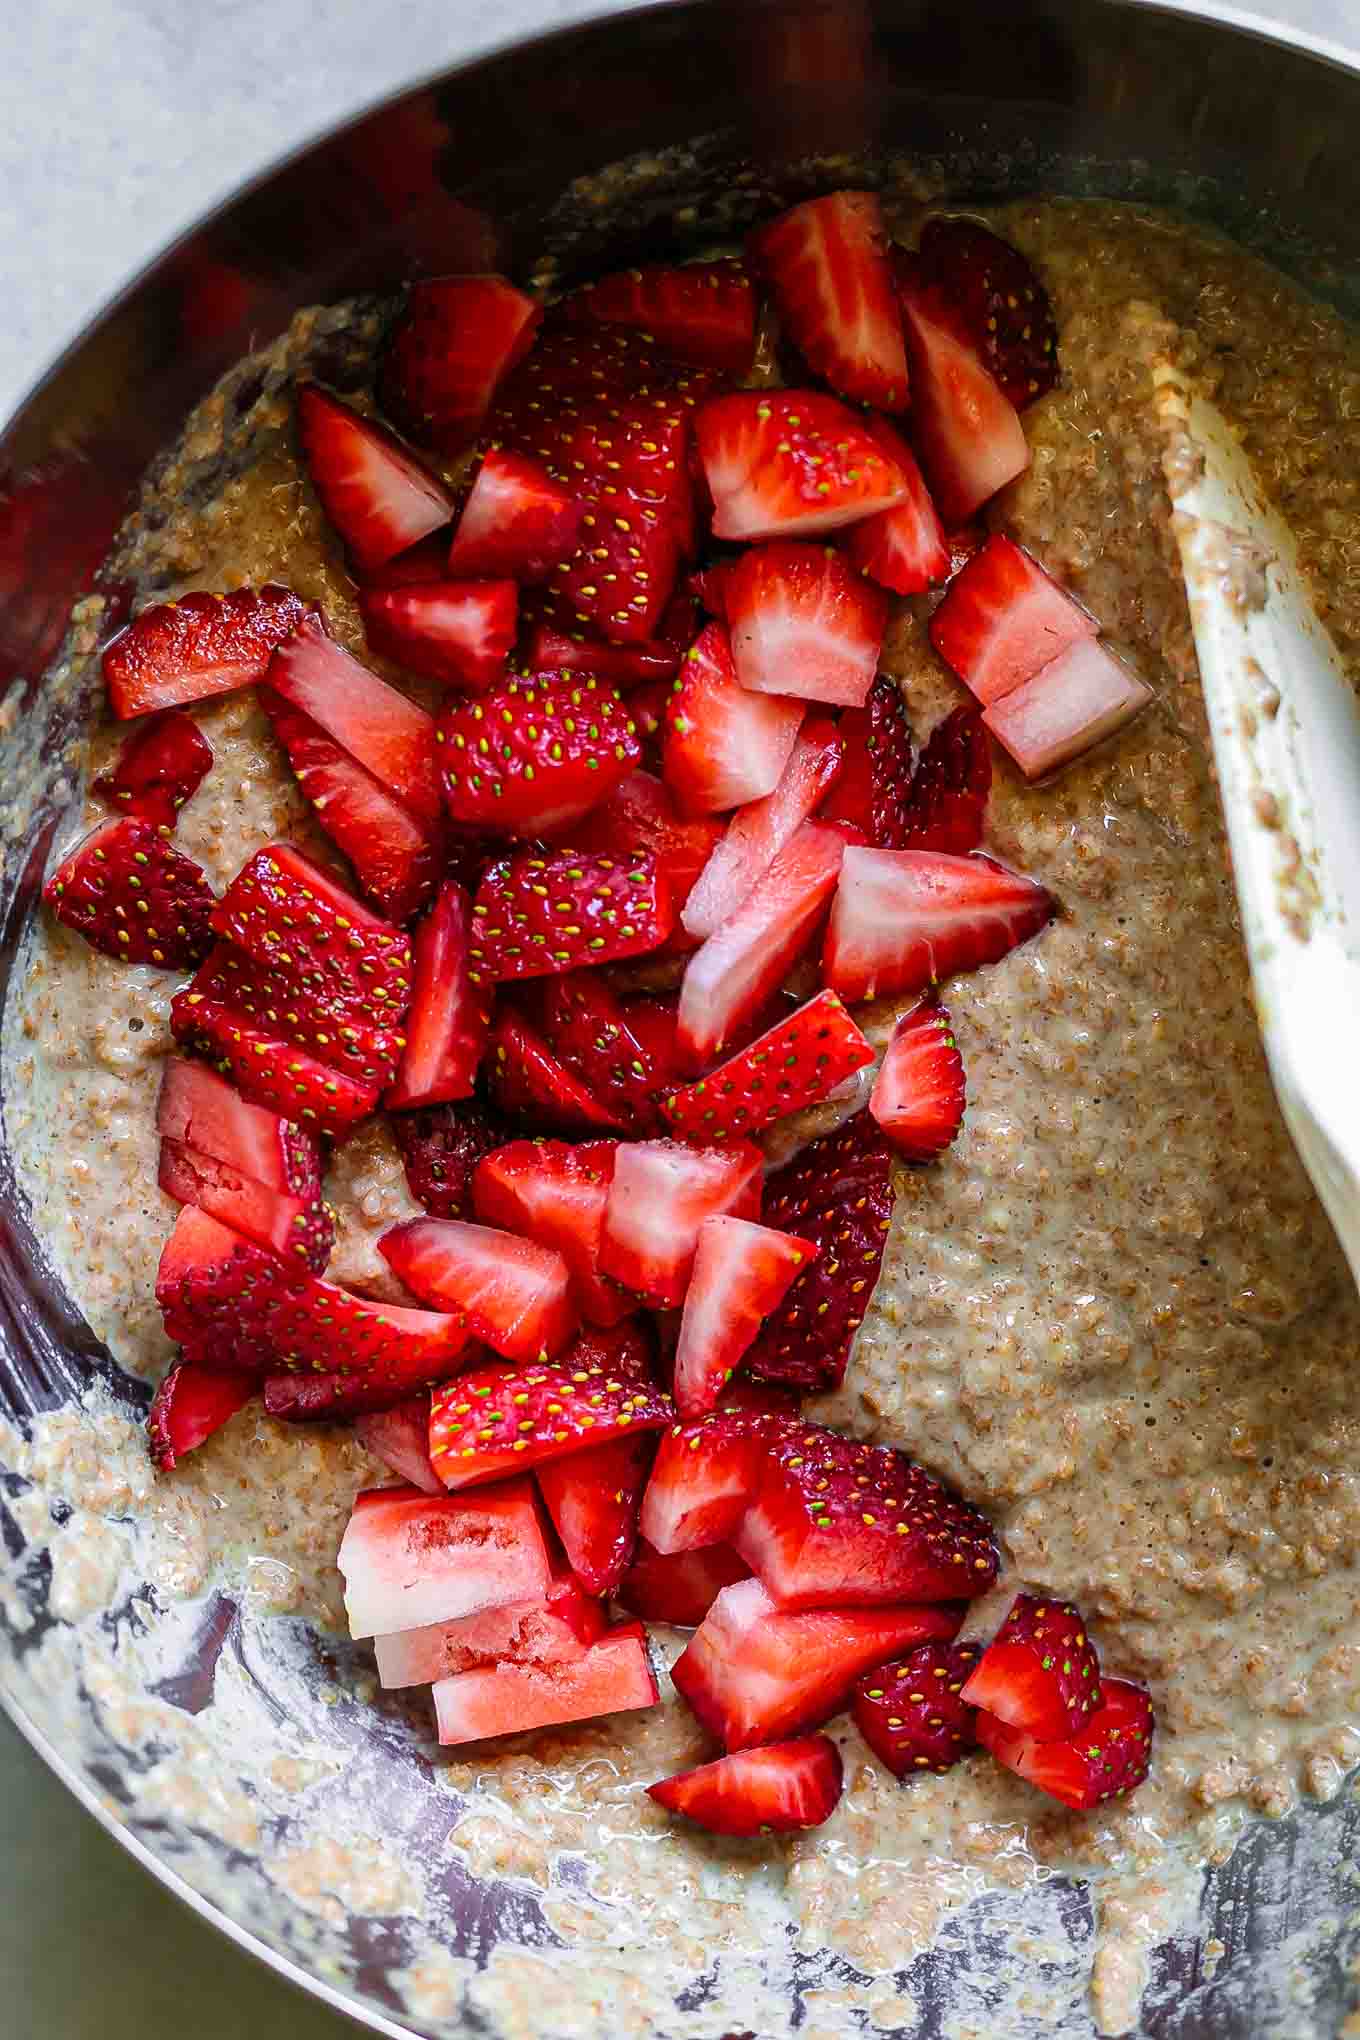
(705, 1474)
(559, 1628)
(912, 1713)
(556, 1193)
(904, 549)
(872, 788)
(535, 916)
(133, 897)
(967, 433)
(781, 1789)
(742, 1272)
(512, 1293)
(162, 764)
(804, 623)
(1110, 1754)
(518, 522)
(458, 633)
(723, 744)
(497, 1420)
(826, 262)
(409, 1559)
(903, 920)
(797, 1062)
(178, 652)
(1001, 306)
(759, 830)
(312, 1396)
(791, 463)
(919, 1094)
(586, 1027)
(534, 754)
(286, 913)
(201, 1110)
(530, 1085)
(660, 1195)
(270, 1069)
(612, 1677)
(192, 1403)
(945, 804)
(299, 1228)
(641, 815)
(704, 312)
(593, 1497)
(400, 1438)
(1072, 704)
(389, 736)
(441, 1146)
(449, 1020)
(679, 1587)
(457, 339)
(379, 497)
(271, 1002)
(1040, 1672)
(1004, 619)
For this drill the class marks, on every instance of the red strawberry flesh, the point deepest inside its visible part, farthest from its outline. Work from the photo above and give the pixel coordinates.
(497, 1420)
(679, 1587)
(528, 1083)
(967, 434)
(872, 789)
(781, 1789)
(1108, 1757)
(400, 1437)
(159, 768)
(448, 1022)
(379, 497)
(999, 302)
(518, 522)
(905, 919)
(202, 645)
(795, 1063)
(534, 754)
(455, 342)
(458, 633)
(919, 1094)
(741, 1274)
(134, 897)
(704, 312)
(827, 264)
(592, 1497)
(192, 1403)
(804, 623)
(512, 1293)
(555, 1193)
(704, 1476)
(1003, 619)
(904, 549)
(377, 725)
(1040, 1672)
(1072, 704)
(203, 1111)
(298, 1229)
(759, 830)
(559, 1627)
(911, 1713)
(410, 1559)
(660, 1195)
(791, 463)
(613, 1676)
(945, 804)
(535, 916)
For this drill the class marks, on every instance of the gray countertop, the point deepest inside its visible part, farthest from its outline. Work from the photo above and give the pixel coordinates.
(120, 122)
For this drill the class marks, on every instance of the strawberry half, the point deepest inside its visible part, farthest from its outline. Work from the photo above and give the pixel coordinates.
(723, 744)
(513, 1294)
(905, 919)
(448, 1021)
(1040, 1672)
(133, 897)
(458, 633)
(497, 1420)
(1001, 307)
(641, 815)
(704, 312)
(1003, 619)
(903, 549)
(1109, 1757)
(966, 430)
(529, 1083)
(535, 916)
(679, 1587)
(778, 1790)
(592, 1497)
(797, 1062)
(741, 1273)
(660, 1195)
(455, 342)
(556, 1194)
(945, 803)
(160, 766)
(201, 1110)
(518, 523)
(191, 1403)
(201, 645)
(791, 463)
(534, 754)
(872, 789)
(289, 915)
(702, 1481)
(827, 264)
(804, 623)
(919, 1094)
(560, 1627)
(441, 1146)
(375, 492)
(585, 1025)
(912, 1714)
(758, 831)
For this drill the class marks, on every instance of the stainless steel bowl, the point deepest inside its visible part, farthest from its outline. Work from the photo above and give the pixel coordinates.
(727, 102)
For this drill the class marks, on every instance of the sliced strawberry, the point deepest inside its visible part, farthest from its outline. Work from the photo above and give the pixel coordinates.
(778, 1790)
(827, 264)
(702, 1481)
(641, 815)
(534, 754)
(754, 1672)
(375, 492)
(585, 1026)
(133, 897)
(400, 1437)
(1109, 1757)
(424, 562)
(912, 1714)
(201, 1110)
(288, 914)
(191, 1403)
(741, 1274)
(454, 344)
(1004, 619)
(919, 1094)
(1075, 702)
(593, 1498)
(514, 1294)
(163, 763)
(1002, 308)
(203, 644)
(836, 1522)
(758, 832)
(903, 549)
(456, 632)
(660, 1195)
(555, 642)
(270, 1069)
(555, 1630)
(679, 1587)
(556, 1194)
(318, 1397)
(741, 964)
(441, 1146)
(269, 1000)
(967, 433)
(804, 623)
(496, 1419)
(518, 522)
(791, 463)
(704, 312)
(723, 744)
(873, 789)
(296, 1228)
(537, 915)
(904, 919)
(838, 1195)
(386, 733)
(613, 1676)
(1040, 1672)
(529, 1083)
(409, 1559)
(797, 1062)
(944, 807)
(449, 1021)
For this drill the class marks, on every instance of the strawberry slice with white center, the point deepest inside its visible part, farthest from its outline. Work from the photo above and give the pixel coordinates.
(449, 1020)
(905, 919)
(919, 1094)
(537, 915)
(409, 1559)
(558, 1629)
(758, 832)
(1040, 1672)
(202, 645)
(518, 523)
(741, 1273)
(679, 1587)
(458, 633)
(967, 432)
(1070, 705)
(827, 264)
(702, 1481)
(723, 744)
(534, 754)
(1004, 619)
(660, 1195)
(389, 735)
(379, 497)
(741, 964)
(512, 1293)
(189, 1406)
(754, 1672)
(400, 1438)
(454, 344)
(791, 463)
(296, 1228)
(778, 1790)
(1109, 1756)
(593, 1498)
(703, 312)
(903, 549)
(804, 623)
(530, 1084)
(612, 1677)
(555, 1193)
(797, 1062)
(201, 1110)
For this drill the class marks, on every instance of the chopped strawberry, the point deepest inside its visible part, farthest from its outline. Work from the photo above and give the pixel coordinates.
(559, 1628)
(441, 1146)
(679, 1587)
(409, 1559)
(660, 1195)
(424, 562)
(702, 1481)
(872, 791)
(778, 1790)
(163, 763)
(804, 623)
(363, 1050)
(191, 1403)
(754, 1672)
(652, 1024)
(741, 964)
(585, 1026)
(903, 549)
(555, 642)
(400, 1437)
(1108, 1757)
(386, 733)
(944, 807)
(797, 1062)
(291, 916)
(270, 1069)
(904, 919)
(723, 744)
(613, 1676)
(837, 1194)
(456, 632)
(375, 492)
(528, 1082)
(556, 1194)
(295, 1228)
(704, 312)
(203, 644)
(1040, 1672)
(741, 1273)
(919, 1094)
(1001, 307)
(514, 1294)
(911, 1713)
(592, 1497)
(967, 434)
(758, 832)
(827, 263)
(534, 754)
(791, 463)
(537, 915)
(201, 1110)
(133, 897)
(454, 344)
(641, 815)
(496, 1419)
(1004, 619)
(395, 855)
(318, 1397)
(449, 1021)
(837, 1522)
(1073, 703)
(518, 522)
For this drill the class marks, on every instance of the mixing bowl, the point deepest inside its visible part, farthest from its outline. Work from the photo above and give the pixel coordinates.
(703, 116)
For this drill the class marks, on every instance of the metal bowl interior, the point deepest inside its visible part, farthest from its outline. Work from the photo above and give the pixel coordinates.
(715, 111)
